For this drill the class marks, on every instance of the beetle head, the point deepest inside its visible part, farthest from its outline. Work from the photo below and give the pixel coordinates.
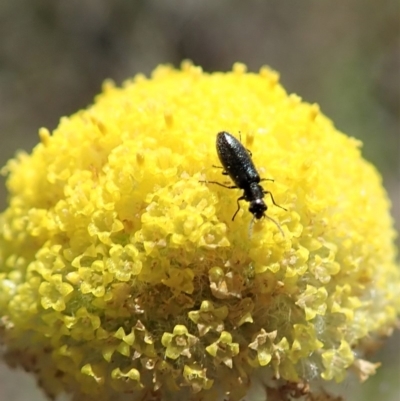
(258, 208)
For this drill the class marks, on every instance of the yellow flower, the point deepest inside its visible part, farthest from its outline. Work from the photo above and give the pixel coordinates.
(264, 345)
(224, 349)
(197, 378)
(82, 325)
(312, 300)
(209, 318)
(53, 293)
(178, 343)
(126, 380)
(336, 361)
(121, 270)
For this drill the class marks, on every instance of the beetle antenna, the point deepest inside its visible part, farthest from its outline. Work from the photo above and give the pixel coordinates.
(251, 227)
(276, 223)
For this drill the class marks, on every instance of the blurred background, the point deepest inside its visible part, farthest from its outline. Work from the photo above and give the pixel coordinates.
(343, 55)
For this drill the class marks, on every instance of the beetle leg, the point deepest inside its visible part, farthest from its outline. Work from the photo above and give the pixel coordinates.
(248, 151)
(238, 200)
(267, 179)
(273, 200)
(220, 184)
(224, 172)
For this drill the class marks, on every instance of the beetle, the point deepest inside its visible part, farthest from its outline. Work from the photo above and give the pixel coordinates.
(238, 165)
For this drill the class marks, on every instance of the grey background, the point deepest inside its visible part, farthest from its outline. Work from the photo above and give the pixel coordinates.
(342, 54)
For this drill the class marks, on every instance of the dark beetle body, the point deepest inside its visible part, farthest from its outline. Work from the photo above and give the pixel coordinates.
(237, 163)
(236, 160)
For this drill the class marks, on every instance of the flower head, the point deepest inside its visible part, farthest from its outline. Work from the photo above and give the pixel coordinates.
(121, 264)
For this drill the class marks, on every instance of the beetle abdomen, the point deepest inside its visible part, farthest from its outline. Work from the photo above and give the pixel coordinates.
(236, 160)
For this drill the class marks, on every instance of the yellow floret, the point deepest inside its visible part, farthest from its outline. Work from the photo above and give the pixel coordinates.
(121, 270)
